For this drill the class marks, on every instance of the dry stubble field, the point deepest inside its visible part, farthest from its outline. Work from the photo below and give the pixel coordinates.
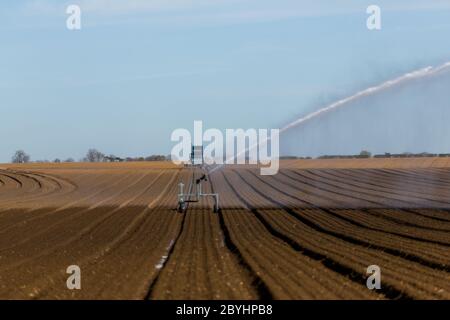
(309, 232)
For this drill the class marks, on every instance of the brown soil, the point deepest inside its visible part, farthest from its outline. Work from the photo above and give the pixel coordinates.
(309, 232)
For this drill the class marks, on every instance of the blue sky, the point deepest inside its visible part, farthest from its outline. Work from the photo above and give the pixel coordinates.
(140, 69)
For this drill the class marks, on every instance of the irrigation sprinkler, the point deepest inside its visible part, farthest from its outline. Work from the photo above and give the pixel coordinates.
(182, 206)
(184, 198)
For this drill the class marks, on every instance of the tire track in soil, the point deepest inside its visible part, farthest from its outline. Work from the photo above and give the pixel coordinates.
(28, 214)
(19, 183)
(68, 211)
(165, 259)
(170, 249)
(340, 174)
(407, 215)
(29, 187)
(352, 221)
(65, 186)
(436, 214)
(396, 184)
(378, 186)
(85, 230)
(390, 200)
(67, 214)
(368, 210)
(146, 227)
(381, 213)
(415, 280)
(332, 267)
(320, 230)
(380, 222)
(45, 231)
(263, 292)
(340, 235)
(44, 189)
(24, 201)
(407, 234)
(198, 249)
(418, 177)
(134, 228)
(328, 263)
(96, 262)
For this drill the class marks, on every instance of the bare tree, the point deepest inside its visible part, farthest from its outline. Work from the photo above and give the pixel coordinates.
(156, 157)
(20, 157)
(93, 155)
(69, 160)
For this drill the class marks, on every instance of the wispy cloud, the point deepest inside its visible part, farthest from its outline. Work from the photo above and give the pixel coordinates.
(71, 82)
(120, 7)
(155, 76)
(133, 6)
(218, 11)
(307, 7)
(190, 11)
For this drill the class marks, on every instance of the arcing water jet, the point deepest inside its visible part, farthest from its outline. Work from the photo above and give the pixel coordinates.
(418, 74)
(414, 75)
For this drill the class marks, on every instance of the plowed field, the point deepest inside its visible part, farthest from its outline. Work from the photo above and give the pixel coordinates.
(309, 232)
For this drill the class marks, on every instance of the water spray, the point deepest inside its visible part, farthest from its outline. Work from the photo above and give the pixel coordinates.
(414, 75)
(418, 74)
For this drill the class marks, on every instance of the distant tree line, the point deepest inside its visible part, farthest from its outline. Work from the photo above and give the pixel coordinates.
(93, 155)
(20, 157)
(412, 155)
(366, 154)
(362, 155)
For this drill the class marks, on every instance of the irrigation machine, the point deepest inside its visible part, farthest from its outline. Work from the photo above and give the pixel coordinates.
(196, 162)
